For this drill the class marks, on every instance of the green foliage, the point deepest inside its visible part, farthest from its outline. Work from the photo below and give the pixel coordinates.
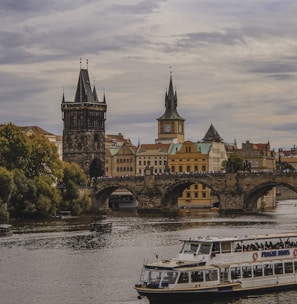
(72, 173)
(4, 214)
(72, 199)
(29, 169)
(234, 164)
(14, 147)
(6, 184)
(43, 159)
(284, 166)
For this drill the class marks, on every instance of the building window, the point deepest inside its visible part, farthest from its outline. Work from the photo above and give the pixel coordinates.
(180, 168)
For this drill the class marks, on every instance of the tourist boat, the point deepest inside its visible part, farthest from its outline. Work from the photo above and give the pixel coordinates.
(211, 266)
(5, 229)
(101, 226)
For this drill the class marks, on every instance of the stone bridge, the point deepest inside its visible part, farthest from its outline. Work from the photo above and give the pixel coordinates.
(236, 192)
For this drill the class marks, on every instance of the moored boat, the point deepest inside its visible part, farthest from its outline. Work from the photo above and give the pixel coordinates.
(101, 226)
(210, 267)
(5, 229)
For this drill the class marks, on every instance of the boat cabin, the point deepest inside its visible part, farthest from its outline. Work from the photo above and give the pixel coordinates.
(224, 250)
(101, 226)
(5, 229)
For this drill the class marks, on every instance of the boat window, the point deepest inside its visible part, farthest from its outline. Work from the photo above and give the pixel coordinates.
(268, 269)
(190, 248)
(169, 277)
(216, 248)
(183, 278)
(154, 276)
(226, 247)
(204, 249)
(246, 271)
(211, 275)
(257, 270)
(224, 274)
(235, 273)
(295, 267)
(278, 268)
(197, 276)
(289, 267)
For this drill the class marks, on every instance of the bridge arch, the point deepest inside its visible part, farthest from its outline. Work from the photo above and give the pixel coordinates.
(258, 191)
(104, 191)
(174, 190)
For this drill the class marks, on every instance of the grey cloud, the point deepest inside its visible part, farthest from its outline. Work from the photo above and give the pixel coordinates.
(194, 40)
(283, 77)
(33, 6)
(272, 67)
(286, 127)
(141, 8)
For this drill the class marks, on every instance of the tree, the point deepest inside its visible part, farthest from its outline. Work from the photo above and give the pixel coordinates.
(36, 197)
(72, 199)
(6, 184)
(284, 166)
(14, 147)
(6, 188)
(48, 198)
(234, 164)
(43, 159)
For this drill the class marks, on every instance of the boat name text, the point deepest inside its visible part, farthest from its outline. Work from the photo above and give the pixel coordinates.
(269, 254)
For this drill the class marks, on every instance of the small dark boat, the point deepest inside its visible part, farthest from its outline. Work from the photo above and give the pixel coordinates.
(5, 229)
(101, 226)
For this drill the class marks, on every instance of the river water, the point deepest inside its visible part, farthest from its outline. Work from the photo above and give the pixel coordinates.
(63, 262)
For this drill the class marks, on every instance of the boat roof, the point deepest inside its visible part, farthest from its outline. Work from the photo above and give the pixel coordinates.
(171, 264)
(209, 239)
(5, 226)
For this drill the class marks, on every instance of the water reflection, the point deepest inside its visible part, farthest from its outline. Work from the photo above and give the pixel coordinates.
(63, 262)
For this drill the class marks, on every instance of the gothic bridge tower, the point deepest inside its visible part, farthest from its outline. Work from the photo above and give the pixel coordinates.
(170, 124)
(84, 128)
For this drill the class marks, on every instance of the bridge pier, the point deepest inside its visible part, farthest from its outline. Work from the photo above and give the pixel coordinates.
(231, 202)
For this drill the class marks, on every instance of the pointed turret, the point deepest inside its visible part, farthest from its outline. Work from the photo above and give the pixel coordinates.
(171, 104)
(170, 124)
(212, 135)
(95, 94)
(84, 91)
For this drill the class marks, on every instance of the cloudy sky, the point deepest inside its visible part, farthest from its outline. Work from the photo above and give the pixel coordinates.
(234, 64)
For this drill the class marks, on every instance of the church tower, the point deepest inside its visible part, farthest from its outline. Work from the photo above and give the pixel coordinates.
(170, 124)
(84, 128)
